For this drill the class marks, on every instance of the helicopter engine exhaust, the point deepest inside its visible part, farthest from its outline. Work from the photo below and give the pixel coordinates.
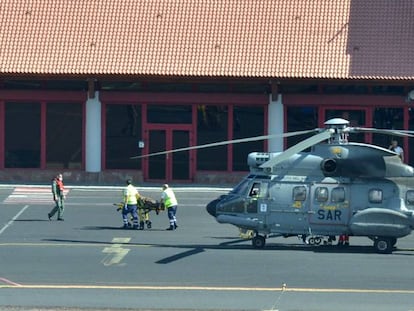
(329, 166)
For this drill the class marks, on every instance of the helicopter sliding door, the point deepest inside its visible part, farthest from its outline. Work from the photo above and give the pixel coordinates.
(330, 209)
(289, 206)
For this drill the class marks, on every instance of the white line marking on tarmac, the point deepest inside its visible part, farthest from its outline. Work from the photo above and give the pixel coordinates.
(30, 195)
(13, 219)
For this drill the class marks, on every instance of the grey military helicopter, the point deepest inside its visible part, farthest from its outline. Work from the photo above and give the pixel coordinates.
(338, 188)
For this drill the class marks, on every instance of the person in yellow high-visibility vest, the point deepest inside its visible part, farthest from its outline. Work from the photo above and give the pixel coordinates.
(170, 202)
(131, 196)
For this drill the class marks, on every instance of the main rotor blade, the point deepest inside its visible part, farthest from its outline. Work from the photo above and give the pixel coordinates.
(309, 142)
(401, 133)
(227, 142)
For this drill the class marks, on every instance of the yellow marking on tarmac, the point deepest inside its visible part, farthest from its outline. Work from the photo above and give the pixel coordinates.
(71, 244)
(115, 252)
(215, 288)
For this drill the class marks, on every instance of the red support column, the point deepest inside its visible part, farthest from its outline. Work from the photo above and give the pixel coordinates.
(2, 138)
(43, 126)
(230, 137)
(193, 142)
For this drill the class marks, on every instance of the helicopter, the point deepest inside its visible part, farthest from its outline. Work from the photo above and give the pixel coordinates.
(338, 188)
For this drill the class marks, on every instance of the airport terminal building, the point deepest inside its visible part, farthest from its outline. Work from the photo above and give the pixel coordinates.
(87, 86)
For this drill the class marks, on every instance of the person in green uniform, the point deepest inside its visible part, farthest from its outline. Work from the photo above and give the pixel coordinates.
(58, 191)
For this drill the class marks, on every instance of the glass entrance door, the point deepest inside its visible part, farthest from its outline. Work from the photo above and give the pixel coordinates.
(157, 165)
(180, 160)
(173, 166)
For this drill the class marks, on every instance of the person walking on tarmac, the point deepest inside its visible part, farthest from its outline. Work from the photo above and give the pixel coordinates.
(131, 196)
(170, 202)
(58, 191)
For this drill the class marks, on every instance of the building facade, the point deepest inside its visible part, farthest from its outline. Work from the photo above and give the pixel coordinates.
(107, 130)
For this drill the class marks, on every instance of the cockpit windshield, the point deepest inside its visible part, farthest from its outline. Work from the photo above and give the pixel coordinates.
(241, 188)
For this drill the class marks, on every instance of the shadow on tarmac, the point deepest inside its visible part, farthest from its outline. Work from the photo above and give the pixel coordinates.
(235, 244)
(116, 228)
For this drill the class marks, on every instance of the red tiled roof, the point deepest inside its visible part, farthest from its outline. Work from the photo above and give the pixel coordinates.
(343, 39)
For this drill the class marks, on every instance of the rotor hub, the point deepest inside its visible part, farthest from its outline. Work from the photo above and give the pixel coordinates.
(340, 130)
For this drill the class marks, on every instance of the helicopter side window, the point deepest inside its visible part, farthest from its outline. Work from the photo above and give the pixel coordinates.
(321, 194)
(299, 193)
(375, 196)
(410, 197)
(338, 195)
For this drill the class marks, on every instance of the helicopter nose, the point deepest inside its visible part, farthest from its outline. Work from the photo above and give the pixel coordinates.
(211, 207)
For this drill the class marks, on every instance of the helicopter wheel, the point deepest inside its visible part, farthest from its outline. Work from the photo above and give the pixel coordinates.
(317, 241)
(258, 241)
(384, 245)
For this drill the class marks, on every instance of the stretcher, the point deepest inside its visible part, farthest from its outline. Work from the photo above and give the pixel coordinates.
(145, 204)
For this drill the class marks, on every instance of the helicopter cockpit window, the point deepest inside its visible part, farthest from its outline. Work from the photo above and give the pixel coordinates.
(321, 194)
(375, 196)
(410, 197)
(259, 190)
(299, 193)
(255, 190)
(338, 195)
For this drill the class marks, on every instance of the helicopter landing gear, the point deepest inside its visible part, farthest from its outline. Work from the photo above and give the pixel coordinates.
(315, 240)
(258, 241)
(384, 245)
